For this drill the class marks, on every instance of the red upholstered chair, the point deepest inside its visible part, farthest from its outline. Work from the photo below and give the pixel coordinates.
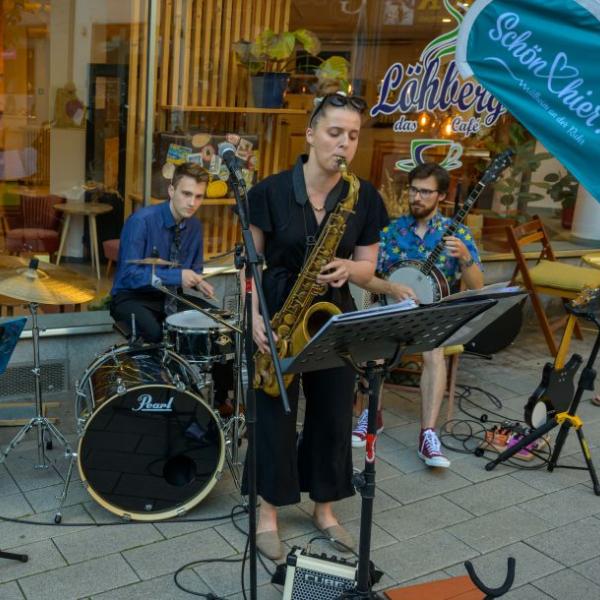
(111, 251)
(39, 229)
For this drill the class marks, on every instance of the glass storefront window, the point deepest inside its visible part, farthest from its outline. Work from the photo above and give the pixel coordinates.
(76, 77)
(69, 71)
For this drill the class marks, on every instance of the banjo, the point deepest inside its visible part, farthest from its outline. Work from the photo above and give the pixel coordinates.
(426, 280)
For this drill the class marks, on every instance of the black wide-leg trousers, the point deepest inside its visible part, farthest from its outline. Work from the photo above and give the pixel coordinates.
(320, 461)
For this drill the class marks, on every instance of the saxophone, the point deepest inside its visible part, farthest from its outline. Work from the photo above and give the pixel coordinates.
(299, 319)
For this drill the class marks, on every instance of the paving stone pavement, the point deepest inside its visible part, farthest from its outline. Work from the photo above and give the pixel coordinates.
(426, 523)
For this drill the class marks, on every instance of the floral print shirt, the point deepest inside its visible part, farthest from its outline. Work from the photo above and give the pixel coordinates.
(399, 241)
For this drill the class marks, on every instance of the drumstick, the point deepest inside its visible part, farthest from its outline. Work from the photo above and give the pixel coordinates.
(211, 297)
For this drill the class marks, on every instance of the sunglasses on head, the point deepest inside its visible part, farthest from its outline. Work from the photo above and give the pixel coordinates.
(339, 100)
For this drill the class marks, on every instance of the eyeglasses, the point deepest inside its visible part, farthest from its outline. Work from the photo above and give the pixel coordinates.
(338, 100)
(423, 192)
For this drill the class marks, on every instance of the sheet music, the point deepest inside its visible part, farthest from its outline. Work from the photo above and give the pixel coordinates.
(376, 309)
(493, 290)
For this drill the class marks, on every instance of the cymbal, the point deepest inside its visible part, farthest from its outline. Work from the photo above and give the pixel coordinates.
(158, 262)
(218, 271)
(219, 257)
(43, 284)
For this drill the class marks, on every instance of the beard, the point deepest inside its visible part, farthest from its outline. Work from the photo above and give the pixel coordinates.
(421, 211)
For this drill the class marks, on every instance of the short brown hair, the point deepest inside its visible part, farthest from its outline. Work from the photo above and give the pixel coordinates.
(428, 169)
(188, 169)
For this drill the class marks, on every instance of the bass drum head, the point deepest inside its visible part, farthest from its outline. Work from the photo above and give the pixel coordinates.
(151, 453)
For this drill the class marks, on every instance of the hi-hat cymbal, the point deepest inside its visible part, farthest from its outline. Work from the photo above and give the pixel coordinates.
(158, 262)
(45, 284)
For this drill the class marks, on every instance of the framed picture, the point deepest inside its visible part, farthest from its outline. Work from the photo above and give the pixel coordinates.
(172, 149)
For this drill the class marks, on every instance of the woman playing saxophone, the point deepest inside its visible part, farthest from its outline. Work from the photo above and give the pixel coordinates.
(288, 211)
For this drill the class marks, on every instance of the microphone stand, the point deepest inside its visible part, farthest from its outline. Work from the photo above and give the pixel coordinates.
(251, 261)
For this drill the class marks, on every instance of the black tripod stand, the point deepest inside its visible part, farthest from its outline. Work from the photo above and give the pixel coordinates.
(11, 556)
(566, 419)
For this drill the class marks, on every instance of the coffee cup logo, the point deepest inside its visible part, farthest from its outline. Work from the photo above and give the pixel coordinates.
(451, 160)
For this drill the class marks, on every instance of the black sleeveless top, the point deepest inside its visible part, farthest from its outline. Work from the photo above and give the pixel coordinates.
(279, 207)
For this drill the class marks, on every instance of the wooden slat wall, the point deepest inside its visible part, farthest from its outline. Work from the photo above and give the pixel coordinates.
(197, 67)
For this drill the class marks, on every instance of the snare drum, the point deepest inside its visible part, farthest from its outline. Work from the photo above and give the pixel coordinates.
(149, 448)
(200, 339)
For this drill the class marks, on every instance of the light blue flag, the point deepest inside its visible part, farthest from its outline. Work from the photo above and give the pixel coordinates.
(541, 59)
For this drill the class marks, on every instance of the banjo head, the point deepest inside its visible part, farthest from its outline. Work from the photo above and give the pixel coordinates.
(424, 286)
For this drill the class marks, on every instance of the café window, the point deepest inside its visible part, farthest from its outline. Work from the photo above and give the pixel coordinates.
(99, 101)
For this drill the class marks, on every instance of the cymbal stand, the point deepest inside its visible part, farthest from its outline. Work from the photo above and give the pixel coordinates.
(46, 430)
(11, 556)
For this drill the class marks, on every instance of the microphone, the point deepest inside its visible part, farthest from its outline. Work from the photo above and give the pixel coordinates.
(227, 154)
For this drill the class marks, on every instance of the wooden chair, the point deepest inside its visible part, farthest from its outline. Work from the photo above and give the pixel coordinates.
(111, 252)
(493, 233)
(38, 230)
(547, 276)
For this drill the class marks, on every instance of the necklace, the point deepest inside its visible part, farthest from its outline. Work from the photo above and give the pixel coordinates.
(316, 208)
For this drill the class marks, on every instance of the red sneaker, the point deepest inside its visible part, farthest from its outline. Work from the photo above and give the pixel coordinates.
(430, 449)
(359, 433)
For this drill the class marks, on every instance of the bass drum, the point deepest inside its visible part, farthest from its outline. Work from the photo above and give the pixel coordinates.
(150, 449)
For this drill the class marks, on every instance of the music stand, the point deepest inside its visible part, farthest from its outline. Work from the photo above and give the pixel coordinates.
(10, 332)
(366, 337)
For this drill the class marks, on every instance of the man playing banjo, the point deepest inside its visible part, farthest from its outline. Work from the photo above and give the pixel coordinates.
(410, 238)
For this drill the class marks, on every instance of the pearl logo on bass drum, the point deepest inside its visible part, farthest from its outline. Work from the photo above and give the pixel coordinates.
(146, 404)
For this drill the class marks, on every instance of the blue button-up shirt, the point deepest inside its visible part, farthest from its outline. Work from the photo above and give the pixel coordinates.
(399, 241)
(154, 227)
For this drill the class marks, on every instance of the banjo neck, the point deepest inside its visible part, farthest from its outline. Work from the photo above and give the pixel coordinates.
(459, 217)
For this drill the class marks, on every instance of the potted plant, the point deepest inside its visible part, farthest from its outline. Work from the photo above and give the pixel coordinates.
(268, 58)
(562, 187)
(334, 72)
(513, 187)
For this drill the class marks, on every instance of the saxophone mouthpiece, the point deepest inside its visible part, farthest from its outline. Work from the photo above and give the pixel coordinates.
(342, 164)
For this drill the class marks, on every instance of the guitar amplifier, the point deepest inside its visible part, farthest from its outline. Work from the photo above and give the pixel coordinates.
(317, 576)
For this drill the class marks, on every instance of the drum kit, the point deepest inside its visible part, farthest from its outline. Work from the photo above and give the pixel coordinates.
(152, 442)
